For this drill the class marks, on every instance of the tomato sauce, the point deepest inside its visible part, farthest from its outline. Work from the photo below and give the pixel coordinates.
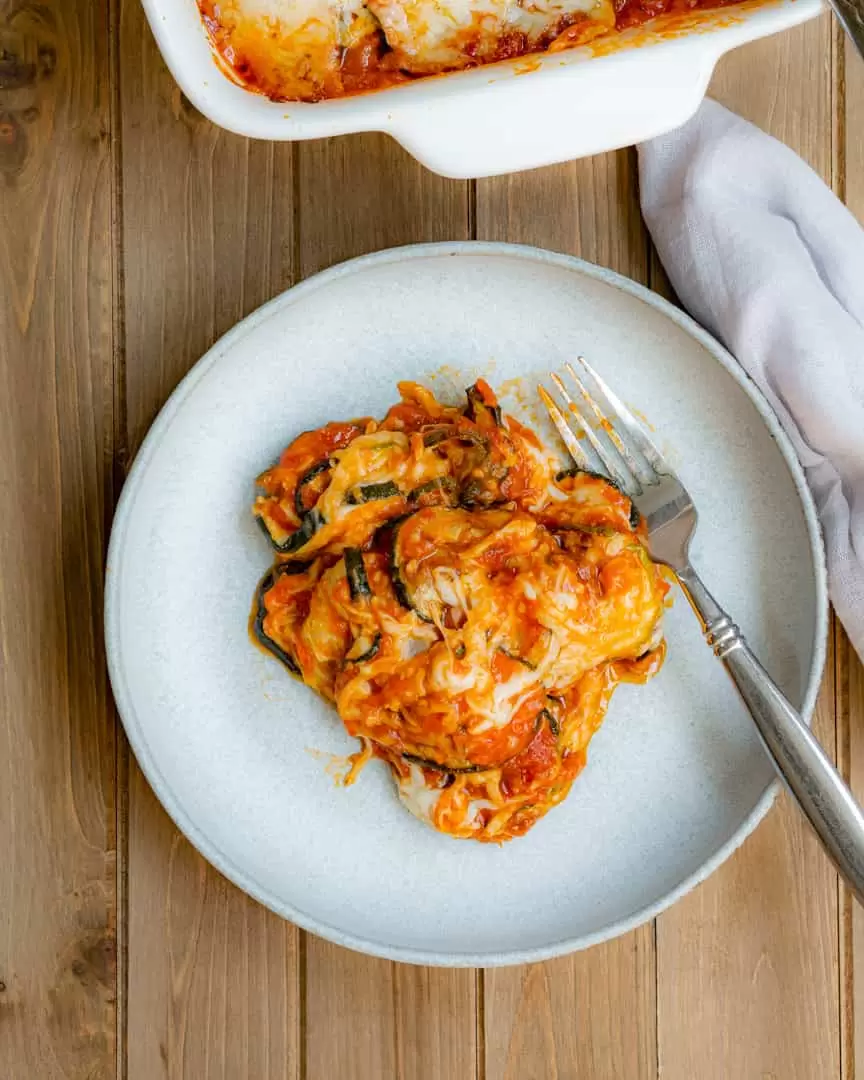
(259, 60)
(635, 12)
(473, 645)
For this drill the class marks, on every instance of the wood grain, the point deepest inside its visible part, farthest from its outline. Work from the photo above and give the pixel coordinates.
(590, 1015)
(850, 726)
(786, 85)
(850, 671)
(588, 208)
(57, 733)
(362, 193)
(756, 947)
(561, 1019)
(372, 1018)
(134, 235)
(850, 111)
(208, 235)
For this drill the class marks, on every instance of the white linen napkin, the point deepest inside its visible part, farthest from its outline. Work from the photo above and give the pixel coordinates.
(763, 254)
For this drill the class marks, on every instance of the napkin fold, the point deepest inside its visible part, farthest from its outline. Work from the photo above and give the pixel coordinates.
(763, 255)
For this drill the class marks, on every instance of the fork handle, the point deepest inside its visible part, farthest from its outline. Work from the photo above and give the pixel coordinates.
(800, 761)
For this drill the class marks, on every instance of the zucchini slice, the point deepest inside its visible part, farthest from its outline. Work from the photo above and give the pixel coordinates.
(635, 517)
(403, 594)
(368, 650)
(265, 585)
(574, 471)
(355, 571)
(372, 492)
(425, 763)
(551, 720)
(477, 407)
(474, 493)
(445, 486)
(312, 522)
(316, 470)
(436, 435)
(516, 658)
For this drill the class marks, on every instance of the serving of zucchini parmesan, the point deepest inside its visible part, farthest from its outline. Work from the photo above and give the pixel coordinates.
(466, 605)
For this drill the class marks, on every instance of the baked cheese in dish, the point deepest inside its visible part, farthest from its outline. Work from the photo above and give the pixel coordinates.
(466, 605)
(428, 36)
(308, 50)
(301, 50)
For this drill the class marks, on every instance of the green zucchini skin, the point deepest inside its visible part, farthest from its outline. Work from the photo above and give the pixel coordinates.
(312, 522)
(389, 490)
(316, 470)
(369, 654)
(575, 471)
(554, 726)
(445, 486)
(436, 435)
(425, 763)
(517, 659)
(372, 492)
(477, 406)
(355, 571)
(265, 585)
(399, 586)
(470, 495)
(635, 516)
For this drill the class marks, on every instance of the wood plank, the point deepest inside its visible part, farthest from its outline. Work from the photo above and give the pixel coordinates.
(850, 106)
(560, 1018)
(436, 1023)
(785, 85)
(213, 979)
(371, 1018)
(591, 1015)
(850, 672)
(748, 964)
(850, 722)
(363, 193)
(57, 731)
(587, 208)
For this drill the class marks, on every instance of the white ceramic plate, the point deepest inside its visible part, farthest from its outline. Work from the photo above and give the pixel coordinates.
(676, 777)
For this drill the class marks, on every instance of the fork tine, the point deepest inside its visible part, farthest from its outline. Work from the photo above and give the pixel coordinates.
(612, 468)
(634, 429)
(560, 421)
(624, 451)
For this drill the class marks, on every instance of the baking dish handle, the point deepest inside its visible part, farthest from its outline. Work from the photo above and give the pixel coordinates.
(565, 108)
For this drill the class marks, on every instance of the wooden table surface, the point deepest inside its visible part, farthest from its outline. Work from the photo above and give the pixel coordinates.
(134, 234)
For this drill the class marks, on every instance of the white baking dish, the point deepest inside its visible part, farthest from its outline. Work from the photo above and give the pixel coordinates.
(509, 116)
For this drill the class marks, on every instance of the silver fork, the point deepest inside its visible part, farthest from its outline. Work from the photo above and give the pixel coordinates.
(628, 456)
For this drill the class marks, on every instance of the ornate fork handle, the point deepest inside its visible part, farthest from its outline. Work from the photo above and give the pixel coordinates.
(800, 760)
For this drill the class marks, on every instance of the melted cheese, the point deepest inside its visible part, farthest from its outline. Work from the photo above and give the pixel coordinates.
(435, 35)
(313, 49)
(289, 48)
(475, 648)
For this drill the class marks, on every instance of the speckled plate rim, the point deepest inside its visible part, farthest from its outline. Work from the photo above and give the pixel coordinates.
(136, 731)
